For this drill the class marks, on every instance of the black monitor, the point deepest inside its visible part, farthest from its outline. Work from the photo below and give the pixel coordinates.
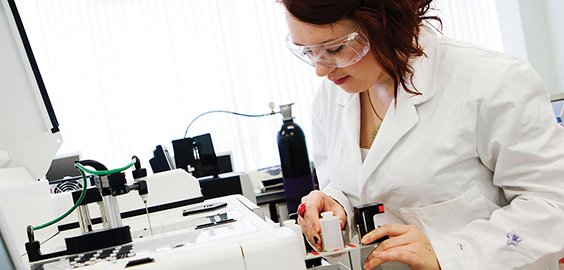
(196, 155)
(161, 160)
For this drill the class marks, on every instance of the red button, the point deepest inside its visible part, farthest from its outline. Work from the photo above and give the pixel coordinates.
(381, 208)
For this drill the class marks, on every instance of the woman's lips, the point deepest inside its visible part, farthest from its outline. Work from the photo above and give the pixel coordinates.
(341, 80)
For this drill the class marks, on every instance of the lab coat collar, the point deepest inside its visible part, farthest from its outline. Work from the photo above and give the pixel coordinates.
(402, 117)
(425, 67)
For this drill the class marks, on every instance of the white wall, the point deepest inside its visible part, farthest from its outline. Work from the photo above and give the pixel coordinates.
(529, 29)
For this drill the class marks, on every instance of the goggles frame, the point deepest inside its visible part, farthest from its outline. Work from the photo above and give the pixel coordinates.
(341, 52)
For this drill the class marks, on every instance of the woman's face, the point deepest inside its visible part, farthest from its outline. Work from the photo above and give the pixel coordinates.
(355, 78)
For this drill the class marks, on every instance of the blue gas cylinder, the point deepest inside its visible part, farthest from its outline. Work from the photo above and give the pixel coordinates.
(297, 176)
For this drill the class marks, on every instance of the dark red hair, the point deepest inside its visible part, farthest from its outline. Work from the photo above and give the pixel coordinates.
(392, 27)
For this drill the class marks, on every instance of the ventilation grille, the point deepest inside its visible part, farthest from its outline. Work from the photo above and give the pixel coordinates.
(70, 185)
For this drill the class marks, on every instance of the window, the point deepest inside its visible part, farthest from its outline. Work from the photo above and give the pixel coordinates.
(125, 76)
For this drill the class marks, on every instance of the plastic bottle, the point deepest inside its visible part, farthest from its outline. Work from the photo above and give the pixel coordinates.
(294, 160)
(291, 224)
(331, 236)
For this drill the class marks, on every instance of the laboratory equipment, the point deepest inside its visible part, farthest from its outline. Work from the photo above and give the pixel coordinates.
(196, 155)
(28, 120)
(291, 224)
(30, 134)
(114, 233)
(365, 216)
(161, 160)
(233, 238)
(297, 176)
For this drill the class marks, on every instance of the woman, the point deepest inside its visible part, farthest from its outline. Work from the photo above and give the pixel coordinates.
(458, 142)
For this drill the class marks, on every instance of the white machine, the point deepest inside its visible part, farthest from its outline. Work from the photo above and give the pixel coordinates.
(221, 233)
(176, 229)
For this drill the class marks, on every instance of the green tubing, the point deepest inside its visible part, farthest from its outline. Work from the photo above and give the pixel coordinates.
(101, 173)
(82, 194)
(82, 170)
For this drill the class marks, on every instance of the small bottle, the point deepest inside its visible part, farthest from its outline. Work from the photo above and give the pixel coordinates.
(291, 224)
(331, 236)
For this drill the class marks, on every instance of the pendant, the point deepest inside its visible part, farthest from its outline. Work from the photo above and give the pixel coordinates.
(376, 132)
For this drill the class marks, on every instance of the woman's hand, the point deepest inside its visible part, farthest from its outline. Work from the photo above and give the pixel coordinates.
(406, 244)
(316, 203)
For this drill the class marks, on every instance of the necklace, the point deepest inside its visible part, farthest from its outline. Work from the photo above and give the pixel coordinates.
(377, 115)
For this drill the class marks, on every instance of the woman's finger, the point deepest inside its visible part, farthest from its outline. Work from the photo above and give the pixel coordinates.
(384, 230)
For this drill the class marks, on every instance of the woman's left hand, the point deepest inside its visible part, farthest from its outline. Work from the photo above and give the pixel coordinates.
(406, 244)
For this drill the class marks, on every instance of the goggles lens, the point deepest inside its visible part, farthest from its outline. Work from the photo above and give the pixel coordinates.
(338, 53)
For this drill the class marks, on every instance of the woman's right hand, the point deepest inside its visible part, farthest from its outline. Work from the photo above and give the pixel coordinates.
(316, 203)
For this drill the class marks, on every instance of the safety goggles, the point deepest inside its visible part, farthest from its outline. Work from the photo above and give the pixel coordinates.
(338, 53)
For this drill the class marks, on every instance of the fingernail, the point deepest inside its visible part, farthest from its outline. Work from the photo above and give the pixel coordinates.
(316, 239)
(377, 253)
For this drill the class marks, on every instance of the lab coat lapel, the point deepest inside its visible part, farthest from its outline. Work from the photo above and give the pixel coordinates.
(398, 121)
(351, 122)
(401, 118)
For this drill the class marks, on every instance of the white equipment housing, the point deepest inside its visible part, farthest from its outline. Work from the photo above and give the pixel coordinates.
(231, 237)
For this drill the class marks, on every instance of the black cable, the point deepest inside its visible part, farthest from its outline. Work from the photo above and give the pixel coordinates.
(222, 111)
(45, 241)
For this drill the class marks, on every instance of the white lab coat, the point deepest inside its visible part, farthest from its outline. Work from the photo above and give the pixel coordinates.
(477, 159)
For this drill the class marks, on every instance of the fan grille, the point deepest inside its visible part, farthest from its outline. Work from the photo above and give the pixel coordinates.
(67, 186)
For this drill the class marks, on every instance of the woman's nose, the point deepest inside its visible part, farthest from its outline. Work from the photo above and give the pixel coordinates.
(322, 70)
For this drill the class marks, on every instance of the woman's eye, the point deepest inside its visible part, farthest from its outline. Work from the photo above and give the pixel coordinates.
(306, 52)
(335, 50)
